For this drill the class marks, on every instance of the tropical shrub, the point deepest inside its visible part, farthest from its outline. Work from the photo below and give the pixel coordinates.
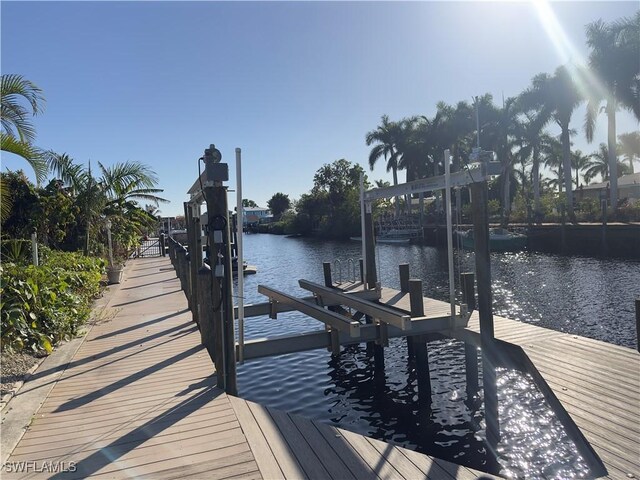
(588, 210)
(44, 305)
(629, 211)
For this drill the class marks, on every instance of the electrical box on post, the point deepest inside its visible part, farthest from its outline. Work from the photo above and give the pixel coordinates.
(217, 237)
(219, 271)
(218, 172)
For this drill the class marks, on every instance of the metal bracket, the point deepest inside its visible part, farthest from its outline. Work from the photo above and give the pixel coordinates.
(382, 333)
(273, 309)
(335, 341)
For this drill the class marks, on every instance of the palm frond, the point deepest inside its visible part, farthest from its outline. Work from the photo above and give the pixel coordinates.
(15, 117)
(6, 200)
(33, 155)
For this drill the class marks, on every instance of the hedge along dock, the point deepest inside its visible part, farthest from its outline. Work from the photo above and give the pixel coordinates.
(139, 400)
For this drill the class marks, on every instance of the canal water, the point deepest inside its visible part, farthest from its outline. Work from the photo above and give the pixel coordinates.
(584, 296)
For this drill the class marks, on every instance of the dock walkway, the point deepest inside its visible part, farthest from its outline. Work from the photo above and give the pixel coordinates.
(138, 400)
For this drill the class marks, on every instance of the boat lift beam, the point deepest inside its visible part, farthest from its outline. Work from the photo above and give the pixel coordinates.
(475, 173)
(279, 345)
(332, 319)
(381, 312)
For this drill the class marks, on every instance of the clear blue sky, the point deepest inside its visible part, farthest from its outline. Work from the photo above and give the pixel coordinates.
(295, 85)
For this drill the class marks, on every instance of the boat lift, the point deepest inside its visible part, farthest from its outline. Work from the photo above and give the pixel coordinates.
(483, 165)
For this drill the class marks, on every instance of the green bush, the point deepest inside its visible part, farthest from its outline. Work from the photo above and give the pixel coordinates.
(44, 305)
(15, 250)
(629, 211)
(588, 210)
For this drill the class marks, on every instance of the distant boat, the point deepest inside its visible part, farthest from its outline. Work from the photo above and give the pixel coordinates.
(399, 235)
(395, 236)
(500, 240)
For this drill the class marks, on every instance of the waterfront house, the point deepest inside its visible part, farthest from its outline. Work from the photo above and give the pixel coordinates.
(628, 187)
(255, 215)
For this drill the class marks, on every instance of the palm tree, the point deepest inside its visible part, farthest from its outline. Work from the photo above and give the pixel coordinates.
(552, 158)
(18, 131)
(501, 130)
(129, 181)
(614, 59)
(579, 162)
(112, 194)
(557, 97)
(599, 165)
(629, 146)
(386, 139)
(532, 139)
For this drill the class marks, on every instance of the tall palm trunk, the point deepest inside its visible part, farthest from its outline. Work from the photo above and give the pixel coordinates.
(397, 199)
(566, 168)
(613, 158)
(506, 200)
(535, 174)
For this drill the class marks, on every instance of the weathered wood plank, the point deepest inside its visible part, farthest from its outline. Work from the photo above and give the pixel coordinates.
(400, 462)
(298, 445)
(586, 380)
(263, 455)
(328, 457)
(351, 458)
(287, 461)
(626, 376)
(242, 460)
(371, 456)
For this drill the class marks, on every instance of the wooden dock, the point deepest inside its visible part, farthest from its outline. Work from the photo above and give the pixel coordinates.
(139, 400)
(597, 383)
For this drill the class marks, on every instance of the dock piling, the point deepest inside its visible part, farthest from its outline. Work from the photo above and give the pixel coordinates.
(420, 344)
(404, 277)
(470, 350)
(205, 307)
(404, 288)
(479, 196)
(215, 193)
(326, 269)
(161, 240)
(335, 334)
